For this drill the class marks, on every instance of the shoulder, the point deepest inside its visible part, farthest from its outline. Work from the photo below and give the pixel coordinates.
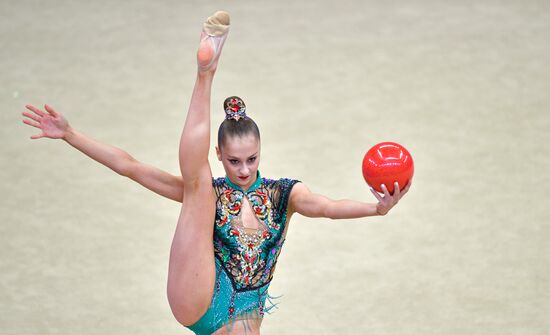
(218, 184)
(218, 181)
(281, 183)
(279, 190)
(298, 190)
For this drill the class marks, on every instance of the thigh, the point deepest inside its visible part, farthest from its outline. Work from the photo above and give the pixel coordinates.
(191, 273)
(216, 320)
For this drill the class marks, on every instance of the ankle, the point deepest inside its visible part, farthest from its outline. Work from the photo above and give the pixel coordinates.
(206, 74)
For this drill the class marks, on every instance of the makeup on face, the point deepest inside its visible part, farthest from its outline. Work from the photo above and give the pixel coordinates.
(240, 159)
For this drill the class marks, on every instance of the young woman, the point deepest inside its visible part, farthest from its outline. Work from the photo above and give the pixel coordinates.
(230, 230)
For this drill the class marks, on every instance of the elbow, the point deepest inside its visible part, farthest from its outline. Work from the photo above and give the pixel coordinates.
(126, 167)
(329, 211)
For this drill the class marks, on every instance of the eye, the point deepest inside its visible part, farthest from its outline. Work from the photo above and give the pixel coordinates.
(252, 159)
(234, 161)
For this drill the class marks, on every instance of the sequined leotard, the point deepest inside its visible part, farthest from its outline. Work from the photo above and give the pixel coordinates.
(245, 261)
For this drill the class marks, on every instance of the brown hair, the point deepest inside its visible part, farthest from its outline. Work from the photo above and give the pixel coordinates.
(240, 127)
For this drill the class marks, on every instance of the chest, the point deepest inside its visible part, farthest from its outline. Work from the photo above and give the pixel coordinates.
(248, 219)
(250, 213)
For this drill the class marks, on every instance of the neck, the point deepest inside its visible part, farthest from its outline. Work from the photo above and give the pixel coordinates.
(245, 188)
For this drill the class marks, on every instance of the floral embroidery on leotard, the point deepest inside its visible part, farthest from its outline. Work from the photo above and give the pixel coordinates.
(249, 258)
(229, 205)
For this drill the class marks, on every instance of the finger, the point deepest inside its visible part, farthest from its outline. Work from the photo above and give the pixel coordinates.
(34, 137)
(51, 111)
(376, 194)
(396, 190)
(36, 110)
(31, 116)
(385, 190)
(32, 123)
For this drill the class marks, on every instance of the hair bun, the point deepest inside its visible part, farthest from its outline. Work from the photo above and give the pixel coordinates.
(234, 108)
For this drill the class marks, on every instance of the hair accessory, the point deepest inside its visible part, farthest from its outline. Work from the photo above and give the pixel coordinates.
(235, 108)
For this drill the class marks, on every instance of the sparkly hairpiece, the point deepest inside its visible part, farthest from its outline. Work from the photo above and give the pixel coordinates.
(235, 109)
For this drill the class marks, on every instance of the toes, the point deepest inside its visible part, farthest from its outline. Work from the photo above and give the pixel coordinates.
(220, 17)
(217, 24)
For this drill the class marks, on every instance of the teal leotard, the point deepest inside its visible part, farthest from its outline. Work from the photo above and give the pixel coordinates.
(245, 261)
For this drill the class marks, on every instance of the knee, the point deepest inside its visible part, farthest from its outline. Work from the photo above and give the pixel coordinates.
(185, 311)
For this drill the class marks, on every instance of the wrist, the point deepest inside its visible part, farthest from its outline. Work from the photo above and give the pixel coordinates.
(378, 212)
(68, 134)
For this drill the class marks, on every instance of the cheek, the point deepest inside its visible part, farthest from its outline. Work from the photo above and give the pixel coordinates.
(228, 167)
(255, 165)
(231, 167)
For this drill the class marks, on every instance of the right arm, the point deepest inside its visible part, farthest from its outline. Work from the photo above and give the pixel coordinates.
(54, 125)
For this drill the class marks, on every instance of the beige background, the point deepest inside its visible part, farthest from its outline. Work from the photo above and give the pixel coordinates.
(462, 84)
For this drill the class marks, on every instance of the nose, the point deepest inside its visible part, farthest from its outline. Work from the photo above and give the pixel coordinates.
(245, 170)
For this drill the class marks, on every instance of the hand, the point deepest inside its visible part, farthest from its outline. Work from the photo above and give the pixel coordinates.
(388, 201)
(53, 124)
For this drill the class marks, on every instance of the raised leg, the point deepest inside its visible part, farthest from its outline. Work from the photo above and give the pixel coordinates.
(191, 272)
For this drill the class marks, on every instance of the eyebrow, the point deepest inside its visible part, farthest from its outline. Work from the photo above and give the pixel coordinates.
(232, 157)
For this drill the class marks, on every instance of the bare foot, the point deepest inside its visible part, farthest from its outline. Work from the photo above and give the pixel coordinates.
(213, 35)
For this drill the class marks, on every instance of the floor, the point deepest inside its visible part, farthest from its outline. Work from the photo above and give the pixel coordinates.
(463, 85)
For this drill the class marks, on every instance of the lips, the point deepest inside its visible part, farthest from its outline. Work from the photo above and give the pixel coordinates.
(243, 178)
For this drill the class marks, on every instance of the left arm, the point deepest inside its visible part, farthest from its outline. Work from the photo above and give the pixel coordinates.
(309, 204)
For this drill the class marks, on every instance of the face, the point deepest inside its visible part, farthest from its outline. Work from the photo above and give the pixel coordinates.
(240, 157)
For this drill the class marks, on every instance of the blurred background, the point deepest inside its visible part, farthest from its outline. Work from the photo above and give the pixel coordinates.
(463, 85)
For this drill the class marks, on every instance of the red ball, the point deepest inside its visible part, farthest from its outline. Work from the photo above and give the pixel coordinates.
(387, 163)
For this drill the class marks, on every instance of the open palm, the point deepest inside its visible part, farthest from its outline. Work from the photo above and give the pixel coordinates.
(52, 124)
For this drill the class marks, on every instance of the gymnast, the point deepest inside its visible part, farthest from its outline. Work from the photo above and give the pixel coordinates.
(231, 229)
